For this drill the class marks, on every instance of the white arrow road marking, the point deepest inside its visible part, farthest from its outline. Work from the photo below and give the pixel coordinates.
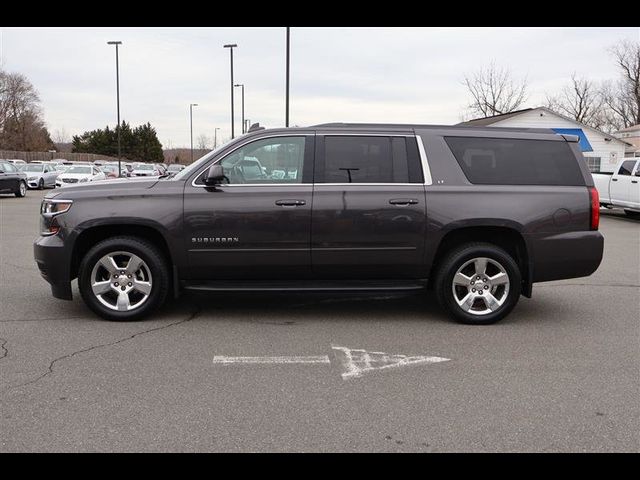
(354, 362)
(357, 362)
(289, 359)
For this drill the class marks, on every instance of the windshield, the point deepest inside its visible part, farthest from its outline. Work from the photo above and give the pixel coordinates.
(79, 169)
(144, 167)
(109, 168)
(33, 168)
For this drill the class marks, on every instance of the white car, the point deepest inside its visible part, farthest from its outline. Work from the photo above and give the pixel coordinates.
(146, 170)
(622, 188)
(40, 175)
(17, 162)
(78, 174)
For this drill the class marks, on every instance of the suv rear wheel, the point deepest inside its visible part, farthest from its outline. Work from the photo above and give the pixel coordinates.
(478, 283)
(123, 278)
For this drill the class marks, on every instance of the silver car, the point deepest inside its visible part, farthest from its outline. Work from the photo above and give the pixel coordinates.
(40, 175)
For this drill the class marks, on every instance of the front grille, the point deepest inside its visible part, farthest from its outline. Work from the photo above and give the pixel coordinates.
(70, 180)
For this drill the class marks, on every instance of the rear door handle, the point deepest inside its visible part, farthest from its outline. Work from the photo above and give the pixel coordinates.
(403, 201)
(614, 179)
(634, 181)
(290, 203)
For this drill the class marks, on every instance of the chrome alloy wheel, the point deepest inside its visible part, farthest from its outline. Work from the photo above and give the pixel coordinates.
(480, 286)
(121, 281)
(23, 189)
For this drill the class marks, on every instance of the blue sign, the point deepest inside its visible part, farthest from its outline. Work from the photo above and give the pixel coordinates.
(585, 146)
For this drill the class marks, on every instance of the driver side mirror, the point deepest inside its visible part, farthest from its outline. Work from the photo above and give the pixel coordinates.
(215, 175)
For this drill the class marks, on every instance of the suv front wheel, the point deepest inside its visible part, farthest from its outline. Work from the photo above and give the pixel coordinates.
(478, 283)
(123, 278)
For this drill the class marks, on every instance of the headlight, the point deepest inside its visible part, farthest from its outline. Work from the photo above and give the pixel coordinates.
(83, 180)
(54, 207)
(31, 179)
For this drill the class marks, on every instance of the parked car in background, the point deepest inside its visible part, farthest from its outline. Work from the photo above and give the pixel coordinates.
(622, 187)
(16, 162)
(110, 170)
(12, 180)
(77, 174)
(175, 168)
(146, 170)
(62, 168)
(40, 175)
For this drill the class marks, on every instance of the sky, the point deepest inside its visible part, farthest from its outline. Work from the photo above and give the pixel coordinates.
(395, 75)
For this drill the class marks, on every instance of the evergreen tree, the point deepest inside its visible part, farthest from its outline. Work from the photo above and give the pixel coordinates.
(139, 144)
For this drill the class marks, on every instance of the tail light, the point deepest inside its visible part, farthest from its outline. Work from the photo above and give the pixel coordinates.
(595, 207)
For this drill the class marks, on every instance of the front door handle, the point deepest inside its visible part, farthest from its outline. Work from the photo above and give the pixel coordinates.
(403, 201)
(614, 179)
(634, 181)
(290, 203)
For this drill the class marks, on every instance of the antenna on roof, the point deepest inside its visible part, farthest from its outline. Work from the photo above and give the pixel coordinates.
(255, 127)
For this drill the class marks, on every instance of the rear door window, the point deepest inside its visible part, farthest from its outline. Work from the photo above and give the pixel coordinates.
(507, 161)
(370, 159)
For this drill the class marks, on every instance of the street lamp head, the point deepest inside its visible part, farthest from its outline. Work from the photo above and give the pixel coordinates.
(194, 104)
(239, 85)
(230, 45)
(114, 43)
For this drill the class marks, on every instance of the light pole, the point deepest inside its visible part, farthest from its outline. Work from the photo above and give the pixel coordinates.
(242, 85)
(286, 121)
(215, 137)
(231, 46)
(116, 43)
(191, 105)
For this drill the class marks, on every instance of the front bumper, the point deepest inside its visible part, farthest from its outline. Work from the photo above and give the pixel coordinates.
(53, 261)
(33, 183)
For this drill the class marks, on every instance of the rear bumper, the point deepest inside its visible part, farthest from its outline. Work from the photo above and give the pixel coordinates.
(54, 265)
(565, 255)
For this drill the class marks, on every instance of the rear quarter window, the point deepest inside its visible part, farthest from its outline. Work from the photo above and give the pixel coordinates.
(507, 161)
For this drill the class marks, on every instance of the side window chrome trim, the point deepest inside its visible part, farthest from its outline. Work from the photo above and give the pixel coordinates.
(426, 171)
(251, 140)
(355, 184)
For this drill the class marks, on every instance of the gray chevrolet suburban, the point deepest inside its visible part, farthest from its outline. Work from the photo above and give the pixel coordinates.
(478, 214)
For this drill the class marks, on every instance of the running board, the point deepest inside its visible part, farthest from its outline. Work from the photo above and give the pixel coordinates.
(307, 286)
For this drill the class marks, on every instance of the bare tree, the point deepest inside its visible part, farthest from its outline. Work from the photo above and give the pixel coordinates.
(203, 142)
(622, 97)
(582, 101)
(21, 124)
(61, 136)
(494, 91)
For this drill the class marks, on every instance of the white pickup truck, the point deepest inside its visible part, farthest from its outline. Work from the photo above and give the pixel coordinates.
(622, 188)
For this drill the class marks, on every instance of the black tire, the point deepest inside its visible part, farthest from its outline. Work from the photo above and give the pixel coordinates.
(456, 259)
(155, 262)
(41, 184)
(632, 214)
(22, 190)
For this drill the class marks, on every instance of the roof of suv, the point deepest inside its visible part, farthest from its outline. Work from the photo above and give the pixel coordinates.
(400, 127)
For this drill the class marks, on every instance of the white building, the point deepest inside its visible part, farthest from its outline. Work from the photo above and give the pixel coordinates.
(631, 135)
(601, 150)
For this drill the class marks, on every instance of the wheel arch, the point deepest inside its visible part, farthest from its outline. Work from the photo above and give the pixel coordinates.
(92, 234)
(508, 238)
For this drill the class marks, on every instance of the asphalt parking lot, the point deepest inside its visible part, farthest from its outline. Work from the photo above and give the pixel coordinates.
(561, 373)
